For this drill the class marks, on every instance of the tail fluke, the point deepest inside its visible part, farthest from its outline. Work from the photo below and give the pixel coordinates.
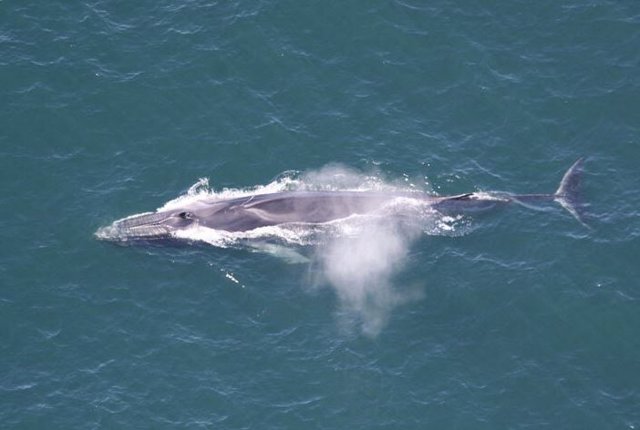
(568, 194)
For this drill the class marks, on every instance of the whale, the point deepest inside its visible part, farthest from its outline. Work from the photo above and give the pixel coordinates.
(242, 214)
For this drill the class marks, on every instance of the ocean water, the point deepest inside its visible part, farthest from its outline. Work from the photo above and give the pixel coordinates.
(519, 318)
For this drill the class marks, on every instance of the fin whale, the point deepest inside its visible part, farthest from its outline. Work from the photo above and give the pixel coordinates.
(317, 207)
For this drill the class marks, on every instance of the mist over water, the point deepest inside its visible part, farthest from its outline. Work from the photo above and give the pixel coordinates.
(361, 267)
(359, 258)
(338, 177)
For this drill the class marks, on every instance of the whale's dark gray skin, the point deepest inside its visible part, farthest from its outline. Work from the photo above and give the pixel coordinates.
(260, 210)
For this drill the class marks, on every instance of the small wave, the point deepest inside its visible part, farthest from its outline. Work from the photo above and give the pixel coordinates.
(288, 234)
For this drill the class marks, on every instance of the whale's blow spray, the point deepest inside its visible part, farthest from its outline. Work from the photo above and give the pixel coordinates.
(360, 256)
(361, 267)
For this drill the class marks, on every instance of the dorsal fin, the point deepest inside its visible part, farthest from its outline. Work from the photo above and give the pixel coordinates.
(465, 196)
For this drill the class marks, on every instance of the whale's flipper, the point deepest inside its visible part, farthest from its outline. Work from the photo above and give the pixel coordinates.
(287, 254)
(569, 192)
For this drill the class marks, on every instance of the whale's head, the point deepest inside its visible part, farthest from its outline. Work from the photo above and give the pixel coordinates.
(147, 227)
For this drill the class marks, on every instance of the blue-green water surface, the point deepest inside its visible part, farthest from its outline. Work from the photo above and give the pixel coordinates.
(522, 319)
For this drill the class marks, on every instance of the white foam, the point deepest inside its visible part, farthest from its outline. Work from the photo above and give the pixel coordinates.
(292, 235)
(201, 191)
